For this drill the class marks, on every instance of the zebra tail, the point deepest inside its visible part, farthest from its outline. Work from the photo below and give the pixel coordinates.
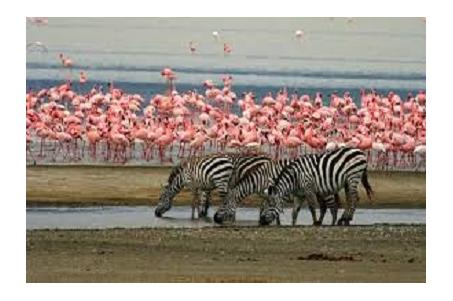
(366, 184)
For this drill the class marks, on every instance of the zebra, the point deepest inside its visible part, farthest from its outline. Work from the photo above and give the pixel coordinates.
(311, 176)
(256, 180)
(202, 175)
(244, 171)
(198, 174)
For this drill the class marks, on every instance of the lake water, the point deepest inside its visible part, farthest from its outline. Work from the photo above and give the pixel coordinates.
(334, 54)
(179, 217)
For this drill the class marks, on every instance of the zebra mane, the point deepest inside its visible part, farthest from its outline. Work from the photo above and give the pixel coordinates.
(174, 173)
(287, 169)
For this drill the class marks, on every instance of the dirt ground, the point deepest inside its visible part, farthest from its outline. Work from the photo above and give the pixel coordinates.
(380, 253)
(131, 185)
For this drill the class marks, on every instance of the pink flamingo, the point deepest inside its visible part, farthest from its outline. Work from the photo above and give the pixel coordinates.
(227, 49)
(83, 78)
(66, 63)
(163, 142)
(93, 138)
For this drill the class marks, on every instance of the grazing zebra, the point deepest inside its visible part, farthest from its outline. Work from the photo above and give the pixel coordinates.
(317, 175)
(256, 179)
(198, 174)
(248, 174)
(202, 175)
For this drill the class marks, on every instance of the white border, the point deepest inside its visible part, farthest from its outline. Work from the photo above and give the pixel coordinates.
(439, 110)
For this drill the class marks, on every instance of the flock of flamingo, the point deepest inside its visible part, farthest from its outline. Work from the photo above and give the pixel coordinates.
(114, 126)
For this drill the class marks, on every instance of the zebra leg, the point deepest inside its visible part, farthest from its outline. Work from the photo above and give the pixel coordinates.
(297, 204)
(227, 210)
(351, 201)
(198, 209)
(334, 213)
(194, 204)
(296, 209)
(313, 214)
(334, 208)
(311, 200)
(323, 208)
(342, 220)
(205, 203)
(263, 204)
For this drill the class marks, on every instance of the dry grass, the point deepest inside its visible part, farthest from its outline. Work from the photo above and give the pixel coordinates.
(379, 253)
(130, 185)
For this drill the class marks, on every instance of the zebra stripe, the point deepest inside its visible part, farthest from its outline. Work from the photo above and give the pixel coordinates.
(255, 177)
(245, 167)
(202, 175)
(321, 175)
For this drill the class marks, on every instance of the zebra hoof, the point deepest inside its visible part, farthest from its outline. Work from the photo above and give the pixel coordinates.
(157, 213)
(218, 219)
(264, 221)
(317, 223)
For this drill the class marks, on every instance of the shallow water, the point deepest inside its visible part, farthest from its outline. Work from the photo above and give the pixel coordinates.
(179, 217)
(382, 53)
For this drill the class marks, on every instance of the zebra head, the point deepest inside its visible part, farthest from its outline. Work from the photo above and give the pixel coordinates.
(164, 201)
(224, 214)
(281, 187)
(267, 216)
(227, 212)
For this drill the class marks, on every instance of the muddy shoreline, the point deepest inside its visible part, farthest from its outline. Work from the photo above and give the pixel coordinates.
(74, 185)
(379, 253)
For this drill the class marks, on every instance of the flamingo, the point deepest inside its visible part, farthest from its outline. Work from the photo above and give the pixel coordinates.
(163, 142)
(282, 123)
(83, 78)
(93, 138)
(420, 150)
(227, 49)
(68, 64)
(192, 47)
(65, 61)
(169, 76)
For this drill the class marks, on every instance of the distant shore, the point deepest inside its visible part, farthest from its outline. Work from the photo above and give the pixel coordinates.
(83, 185)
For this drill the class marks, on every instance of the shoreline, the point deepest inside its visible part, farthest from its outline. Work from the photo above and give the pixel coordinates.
(88, 185)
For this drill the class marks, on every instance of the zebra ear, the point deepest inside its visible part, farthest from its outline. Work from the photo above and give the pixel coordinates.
(266, 191)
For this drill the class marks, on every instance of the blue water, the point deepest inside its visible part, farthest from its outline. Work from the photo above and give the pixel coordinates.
(386, 54)
(147, 90)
